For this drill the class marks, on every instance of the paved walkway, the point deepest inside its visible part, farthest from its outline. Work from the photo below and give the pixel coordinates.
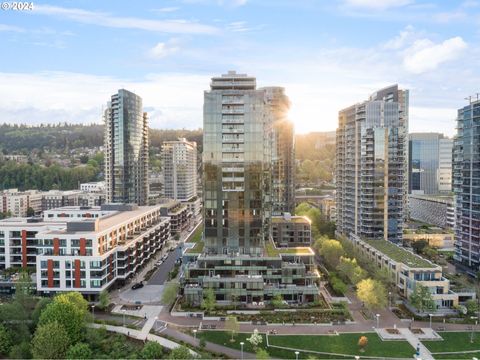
(425, 354)
(139, 335)
(215, 348)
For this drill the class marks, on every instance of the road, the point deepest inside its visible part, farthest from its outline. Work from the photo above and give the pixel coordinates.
(161, 274)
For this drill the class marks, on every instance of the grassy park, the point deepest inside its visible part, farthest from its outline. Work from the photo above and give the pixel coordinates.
(339, 344)
(455, 342)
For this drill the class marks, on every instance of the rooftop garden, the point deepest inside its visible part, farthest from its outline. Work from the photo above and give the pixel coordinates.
(293, 219)
(273, 251)
(197, 249)
(196, 236)
(398, 254)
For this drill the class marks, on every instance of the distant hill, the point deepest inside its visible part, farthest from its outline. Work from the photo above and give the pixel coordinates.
(64, 137)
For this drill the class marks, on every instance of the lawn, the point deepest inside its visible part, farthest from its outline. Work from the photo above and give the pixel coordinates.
(196, 236)
(342, 344)
(454, 341)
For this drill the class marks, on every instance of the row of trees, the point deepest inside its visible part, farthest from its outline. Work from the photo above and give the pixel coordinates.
(340, 258)
(33, 176)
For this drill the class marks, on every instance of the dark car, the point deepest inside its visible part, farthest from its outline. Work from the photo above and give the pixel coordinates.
(137, 286)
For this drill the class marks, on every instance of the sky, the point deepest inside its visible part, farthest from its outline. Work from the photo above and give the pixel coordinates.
(61, 61)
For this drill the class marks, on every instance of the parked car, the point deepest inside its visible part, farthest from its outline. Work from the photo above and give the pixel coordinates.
(164, 257)
(137, 286)
(159, 262)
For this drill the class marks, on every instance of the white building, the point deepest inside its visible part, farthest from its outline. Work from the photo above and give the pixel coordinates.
(83, 249)
(16, 203)
(179, 159)
(95, 187)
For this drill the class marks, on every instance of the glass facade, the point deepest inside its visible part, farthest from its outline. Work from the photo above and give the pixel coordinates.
(430, 157)
(126, 149)
(371, 166)
(466, 185)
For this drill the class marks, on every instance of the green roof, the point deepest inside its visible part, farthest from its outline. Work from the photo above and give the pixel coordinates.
(293, 219)
(273, 251)
(197, 249)
(399, 254)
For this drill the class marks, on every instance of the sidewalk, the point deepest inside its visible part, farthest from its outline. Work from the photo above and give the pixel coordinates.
(425, 354)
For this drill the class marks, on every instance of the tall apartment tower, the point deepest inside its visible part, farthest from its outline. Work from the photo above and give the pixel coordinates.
(237, 169)
(179, 161)
(430, 163)
(466, 186)
(242, 142)
(126, 149)
(371, 166)
(282, 151)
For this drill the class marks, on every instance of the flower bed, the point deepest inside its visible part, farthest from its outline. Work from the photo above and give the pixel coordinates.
(299, 316)
(393, 331)
(417, 331)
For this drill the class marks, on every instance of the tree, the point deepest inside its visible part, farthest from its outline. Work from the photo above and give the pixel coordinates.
(231, 324)
(372, 293)
(152, 350)
(5, 341)
(255, 339)
(277, 301)
(209, 301)
(30, 212)
(362, 343)
(181, 352)
(104, 300)
(472, 307)
(331, 251)
(350, 271)
(50, 341)
(41, 304)
(262, 354)
(80, 351)
(170, 292)
(421, 298)
(202, 343)
(419, 245)
(21, 351)
(70, 311)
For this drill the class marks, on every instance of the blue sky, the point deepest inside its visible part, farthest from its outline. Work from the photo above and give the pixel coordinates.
(62, 60)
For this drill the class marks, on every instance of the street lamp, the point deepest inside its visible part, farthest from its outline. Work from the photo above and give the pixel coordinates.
(473, 328)
(241, 349)
(124, 317)
(430, 320)
(378, 320)
(93, 312)
(195, 333)
(296, 355)
(389, 299)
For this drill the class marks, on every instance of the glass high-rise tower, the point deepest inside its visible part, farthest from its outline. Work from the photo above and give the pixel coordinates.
(430, 163)
(371, 166)
(242, 142)
(466, 185)
(126, 149)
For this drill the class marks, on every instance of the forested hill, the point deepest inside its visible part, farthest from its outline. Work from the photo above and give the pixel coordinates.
(64, 137)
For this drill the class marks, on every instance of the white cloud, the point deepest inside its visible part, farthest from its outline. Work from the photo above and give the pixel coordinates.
(401, 39)
(10, 28)
(107, 20)
(446, 17)
(49, 97)
(166, 9)
(164, 49)
(424, 55)
(377, 4)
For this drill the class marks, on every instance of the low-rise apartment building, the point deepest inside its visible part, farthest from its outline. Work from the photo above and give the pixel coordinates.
(291, 231)
(408, 270)
(16, 203)
(84, 249)
(178, 214)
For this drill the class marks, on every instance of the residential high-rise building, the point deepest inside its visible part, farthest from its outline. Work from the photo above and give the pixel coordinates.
(430, 163)
(282, 151)
(445, 148)
(126, 149)
(237, 257)
(179, 162)
(466, 185)
(371, 166)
